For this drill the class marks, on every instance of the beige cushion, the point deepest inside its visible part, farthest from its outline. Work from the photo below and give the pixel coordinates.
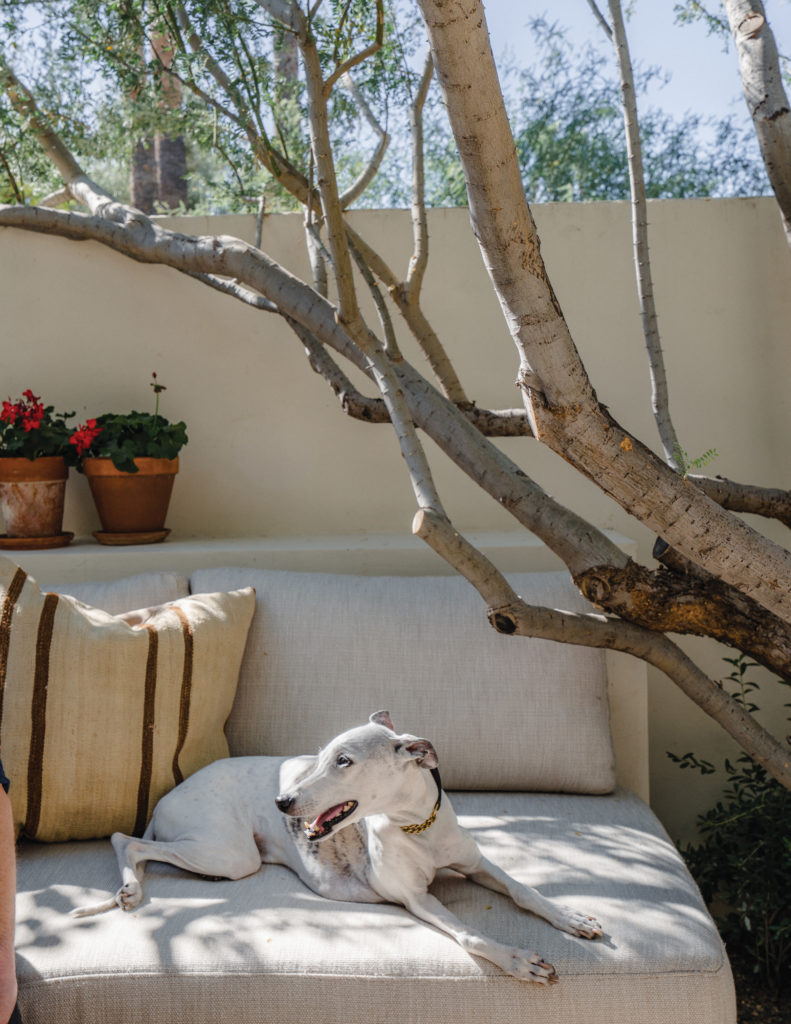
(117, 596)
(325, 651)
(267, 949)
(100, 717)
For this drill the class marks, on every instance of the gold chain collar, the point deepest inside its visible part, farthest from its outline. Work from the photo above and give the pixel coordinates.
(414, 830)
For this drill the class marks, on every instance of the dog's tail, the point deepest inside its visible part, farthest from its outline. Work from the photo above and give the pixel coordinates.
(98, 908)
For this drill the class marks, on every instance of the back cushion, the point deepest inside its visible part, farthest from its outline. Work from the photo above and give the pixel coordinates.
(325, 651)
(118, 596)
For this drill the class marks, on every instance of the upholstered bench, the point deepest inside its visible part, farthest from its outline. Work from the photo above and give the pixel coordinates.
(522, 729)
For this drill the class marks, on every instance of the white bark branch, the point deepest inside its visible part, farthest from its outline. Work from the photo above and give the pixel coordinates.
(765, 95)
(419, 261)
(364, 54)
(413, 315)
(559, 399)
(660, 403)
(348, 309)
(509, 614)
(367, 175)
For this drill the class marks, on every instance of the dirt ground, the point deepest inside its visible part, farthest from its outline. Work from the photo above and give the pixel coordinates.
(756, 1005)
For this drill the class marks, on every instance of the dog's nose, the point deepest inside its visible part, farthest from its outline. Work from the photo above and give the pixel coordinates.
(284, 802)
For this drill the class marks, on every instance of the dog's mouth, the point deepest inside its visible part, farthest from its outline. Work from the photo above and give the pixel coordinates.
(321, 827)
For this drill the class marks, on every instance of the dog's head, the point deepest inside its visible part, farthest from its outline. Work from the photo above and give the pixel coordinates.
(363, 771)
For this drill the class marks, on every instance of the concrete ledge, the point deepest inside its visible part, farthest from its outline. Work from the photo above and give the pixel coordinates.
(358, 554)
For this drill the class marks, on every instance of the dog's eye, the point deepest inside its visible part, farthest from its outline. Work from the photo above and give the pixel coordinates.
(342, 761)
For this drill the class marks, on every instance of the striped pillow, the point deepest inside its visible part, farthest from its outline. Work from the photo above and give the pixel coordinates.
(101, 715)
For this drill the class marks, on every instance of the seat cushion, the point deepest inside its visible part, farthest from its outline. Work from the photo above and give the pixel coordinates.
(99, 715)
(325, 651)
(266, 948)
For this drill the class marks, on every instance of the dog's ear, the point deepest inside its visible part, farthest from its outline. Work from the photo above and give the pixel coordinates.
(419, 750)
(382, 718)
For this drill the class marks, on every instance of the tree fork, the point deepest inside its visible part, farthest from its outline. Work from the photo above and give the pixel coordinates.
(666, 603)
(510, 615)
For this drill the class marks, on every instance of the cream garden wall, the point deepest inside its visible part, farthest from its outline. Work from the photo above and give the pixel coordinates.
(271, 454)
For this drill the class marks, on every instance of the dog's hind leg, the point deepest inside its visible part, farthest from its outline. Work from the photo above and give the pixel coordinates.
(188, 853)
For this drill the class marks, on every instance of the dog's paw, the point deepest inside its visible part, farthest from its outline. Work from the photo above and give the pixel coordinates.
(129, 896)
(529, 967)
(583, 925)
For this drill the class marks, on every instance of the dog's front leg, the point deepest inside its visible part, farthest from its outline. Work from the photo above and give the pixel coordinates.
(564, 918)
(524, 965)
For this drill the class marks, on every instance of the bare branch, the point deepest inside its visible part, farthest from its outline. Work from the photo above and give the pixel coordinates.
(511, 615)
(419, 260)
(318, 256)
(353, 403)
(78, 185)
(415, 319)
(771, 502)
(286, 12)
(692, 602)
(765, 95)
(391, 343)
(348, 310)
(276, 163)
(642, 257)
(561, 404)
(196, 44)
(364, 179)
(54, 199)
(600, 18)
(236, 291)
(364, 54)
(438, 532)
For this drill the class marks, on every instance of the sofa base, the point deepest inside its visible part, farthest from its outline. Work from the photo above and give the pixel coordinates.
(267, 949)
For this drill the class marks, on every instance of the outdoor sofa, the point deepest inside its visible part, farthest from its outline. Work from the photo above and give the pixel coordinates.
(522, 730)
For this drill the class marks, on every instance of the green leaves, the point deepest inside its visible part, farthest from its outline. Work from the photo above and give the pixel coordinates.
(689, 760)
(743, 861)
(133, 435)
(686, 464)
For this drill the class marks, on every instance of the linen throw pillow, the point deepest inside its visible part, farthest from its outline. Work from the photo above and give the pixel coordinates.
(101, 715)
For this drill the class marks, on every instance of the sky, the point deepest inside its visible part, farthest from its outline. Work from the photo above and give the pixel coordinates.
(704, 77)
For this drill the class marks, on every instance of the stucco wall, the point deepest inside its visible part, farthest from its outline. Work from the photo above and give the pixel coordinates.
(270, 453)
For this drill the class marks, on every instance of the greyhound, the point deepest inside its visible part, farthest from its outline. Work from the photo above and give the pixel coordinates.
(365, 820)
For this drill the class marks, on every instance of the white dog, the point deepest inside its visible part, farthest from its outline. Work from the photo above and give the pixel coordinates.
(377, 827)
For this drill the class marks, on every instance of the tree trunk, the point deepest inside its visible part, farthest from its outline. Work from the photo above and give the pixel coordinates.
(765, 95)
(143, 177)
(559, 398)
(171, 153)
(171, 161)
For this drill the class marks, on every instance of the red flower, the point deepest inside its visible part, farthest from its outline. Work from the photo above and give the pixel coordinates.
(32, 399)
(32, 417)
(9, 413)
(84, 436)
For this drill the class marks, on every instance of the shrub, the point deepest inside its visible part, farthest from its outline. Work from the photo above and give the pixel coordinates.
(743, 861)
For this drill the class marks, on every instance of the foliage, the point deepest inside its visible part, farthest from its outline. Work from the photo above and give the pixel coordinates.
(96, 74)
(565, 110)
(570, 137)
(30, 430)
(743, 861)
(686, 464)
(123, 437)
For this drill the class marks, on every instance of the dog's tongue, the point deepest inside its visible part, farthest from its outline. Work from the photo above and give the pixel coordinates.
(333, 812)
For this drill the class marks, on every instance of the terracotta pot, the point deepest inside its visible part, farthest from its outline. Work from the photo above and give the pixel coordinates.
(32, 492)
(131, 503)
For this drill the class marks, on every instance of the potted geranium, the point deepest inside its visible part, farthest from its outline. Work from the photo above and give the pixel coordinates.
(36, 448)
(131, 461)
